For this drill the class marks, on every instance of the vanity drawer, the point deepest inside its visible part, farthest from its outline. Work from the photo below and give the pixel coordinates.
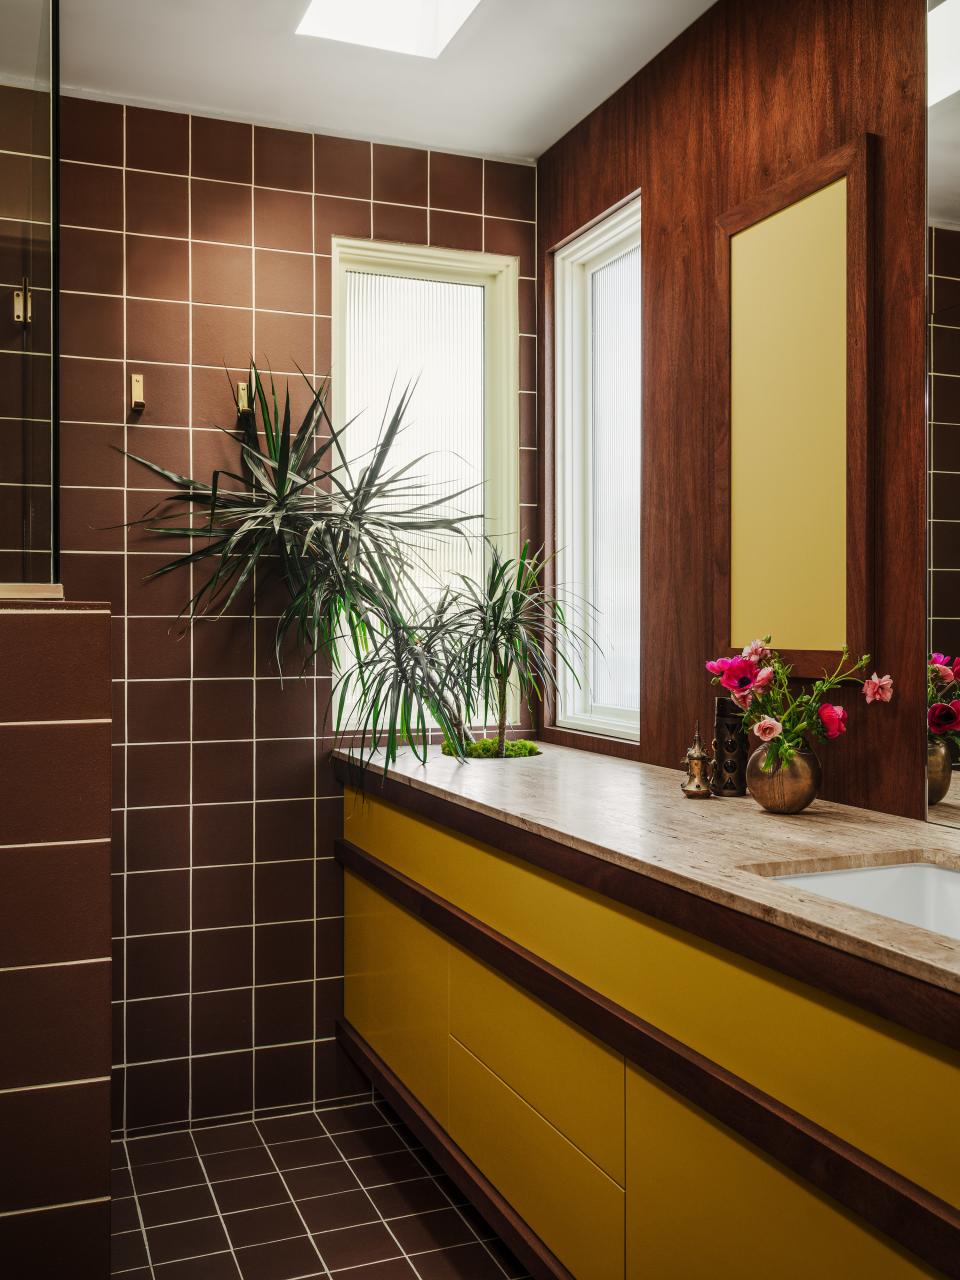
(396, 990)
(571, 1079)
(575, 1208)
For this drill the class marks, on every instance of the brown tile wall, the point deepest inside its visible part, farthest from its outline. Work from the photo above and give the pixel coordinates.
(944, 410)
(25, 409)
(187, 244)
(55, 940)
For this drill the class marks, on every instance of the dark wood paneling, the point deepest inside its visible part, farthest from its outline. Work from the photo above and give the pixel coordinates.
(854, 163)
(923, 1223)
(751, 93)
(483, 1195)
(908, 1002)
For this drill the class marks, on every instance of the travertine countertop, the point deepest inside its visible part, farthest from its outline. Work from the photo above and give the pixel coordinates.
(634, 815)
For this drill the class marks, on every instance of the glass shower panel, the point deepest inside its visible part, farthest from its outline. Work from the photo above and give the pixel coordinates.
(27, 294)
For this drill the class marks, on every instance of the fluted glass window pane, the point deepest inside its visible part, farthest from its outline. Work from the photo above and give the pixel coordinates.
(402, 330)
(615, 462)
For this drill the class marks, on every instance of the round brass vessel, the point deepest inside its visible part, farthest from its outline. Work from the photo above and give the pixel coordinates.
(939, 770)
(784, 789)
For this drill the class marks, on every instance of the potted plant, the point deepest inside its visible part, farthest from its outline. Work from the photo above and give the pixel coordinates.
(783, 773)
(343, 537)
(943, 723)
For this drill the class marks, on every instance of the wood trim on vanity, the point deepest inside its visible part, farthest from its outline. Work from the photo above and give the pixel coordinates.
(922, 1223)
(498, 1212)
(854, 161)
(907, 1001)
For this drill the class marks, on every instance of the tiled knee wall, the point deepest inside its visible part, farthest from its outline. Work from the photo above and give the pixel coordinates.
(944, 402)
(187, 243)
(54, 941)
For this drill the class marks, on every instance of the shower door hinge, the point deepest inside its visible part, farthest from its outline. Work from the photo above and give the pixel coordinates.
(23, 304)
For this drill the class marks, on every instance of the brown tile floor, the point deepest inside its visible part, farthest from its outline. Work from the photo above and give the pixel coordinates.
(342, 1192)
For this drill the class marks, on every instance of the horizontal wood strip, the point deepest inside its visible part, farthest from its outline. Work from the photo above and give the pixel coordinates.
(907, 1001)
(921, 1222)
(498, 1212)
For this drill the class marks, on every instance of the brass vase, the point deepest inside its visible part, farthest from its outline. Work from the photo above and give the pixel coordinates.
(785, 789)
(939, 770)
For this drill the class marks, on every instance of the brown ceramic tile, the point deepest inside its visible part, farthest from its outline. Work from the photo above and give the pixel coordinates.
(91, 391)
(158, 775)
(260, 1226)
(227, 1137)
(414, 1196)
(241, 1163)
(528, 364)
(158, 331)
(222, 336)
(286, 1128)
(157, 268)
(163, 596)
(222, 647)
(282, 158)
(320, 1180)
(284, 1012)
(92, 520)
(222, 896)
(379, 1140)
(334, 1212)
(156, 204)
(222, 709)
(180, 1205)
(213, 404)
(339, 217)
(158, 140)
(93, 577)
(322, 359)
(91, 261)
(91, 197)
(222, 274)
(945, 399)
(222, 834)
(284, 830)
(25, 250)
(157, 902)
(357, 1246)
(25, 453)
(945, 356)
(946, 252)
(221, 149)
(398, 222)
(284, 708)
(399, 174)
(427, 1231)
(220, 211)
(14, 372)
(254, 1192)
(62, 883)
(284, 342)
(279, 1261)
(456, 230)
(71, 1040)
(528, 421)
(157, 838)
(284, 769)
(510, 190)
(216, 1266)
(166, 392)
(128, 1252)
(157, 1028)
(284, 281)
(282, 889)
(158, 711)
(463, 1262)
(323, 285)
(374, 1171)
(221, 1085)
(24, 120)
(329, 940)
(284, 952)
(528, 306)
(515, 239)
(456, 182)
(341, 167)
(282, 221)
(55, 671)
(156, 1093)
(74, 1121)
(222, 958)
(157, 649)
(91, 326)
(24, 187)
(91, 131)
(284, 1076)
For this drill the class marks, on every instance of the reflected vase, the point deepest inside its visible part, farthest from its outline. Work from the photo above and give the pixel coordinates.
(785, 788)
(939, 770)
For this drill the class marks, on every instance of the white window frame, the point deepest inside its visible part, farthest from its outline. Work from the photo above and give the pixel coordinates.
(573, 264)
(498, 275)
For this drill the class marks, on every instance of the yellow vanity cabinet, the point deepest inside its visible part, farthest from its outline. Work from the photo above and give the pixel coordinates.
(704, 1204)
(396, 990)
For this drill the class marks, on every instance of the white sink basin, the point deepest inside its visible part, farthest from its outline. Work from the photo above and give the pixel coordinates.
(918, 893)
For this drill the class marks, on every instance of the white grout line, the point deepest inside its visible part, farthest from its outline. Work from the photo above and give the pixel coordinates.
(136, 1198)
(280, 1173)
(203, 1169)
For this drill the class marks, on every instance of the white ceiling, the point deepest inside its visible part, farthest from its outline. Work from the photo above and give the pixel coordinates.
(943, 162)
(515, 78)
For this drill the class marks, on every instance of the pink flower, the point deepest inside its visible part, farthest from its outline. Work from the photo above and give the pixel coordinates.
(878, 688)
(941, 674)
(739, 675)
(764, 676)
(718, 666)
(939, 660)
(833, 719)
(743, 700)
(756, 650)
(768, 728)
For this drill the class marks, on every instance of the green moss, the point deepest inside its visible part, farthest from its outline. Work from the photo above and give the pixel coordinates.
(486, 749)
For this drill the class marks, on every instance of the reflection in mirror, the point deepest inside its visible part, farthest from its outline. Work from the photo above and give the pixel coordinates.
(27, 288)
(943, 347)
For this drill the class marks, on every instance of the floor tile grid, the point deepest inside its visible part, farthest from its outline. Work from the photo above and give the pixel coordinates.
(472, 1253)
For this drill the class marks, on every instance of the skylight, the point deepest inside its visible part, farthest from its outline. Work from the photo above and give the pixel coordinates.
(420, 27)
(943, 51)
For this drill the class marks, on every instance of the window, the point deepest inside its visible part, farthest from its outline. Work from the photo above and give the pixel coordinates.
(597, 292)
(448, 322)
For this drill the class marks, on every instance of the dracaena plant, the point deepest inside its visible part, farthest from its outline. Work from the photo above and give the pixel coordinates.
(345, 537)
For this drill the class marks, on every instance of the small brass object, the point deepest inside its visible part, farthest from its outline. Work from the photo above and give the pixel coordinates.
(939, 770)
(242, 398)
(136, 391)
(698, 765)
(23, 304)
(784, 788)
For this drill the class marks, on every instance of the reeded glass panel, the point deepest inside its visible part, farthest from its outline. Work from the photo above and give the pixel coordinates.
(27, 310)
(614, 547)
(401, 330)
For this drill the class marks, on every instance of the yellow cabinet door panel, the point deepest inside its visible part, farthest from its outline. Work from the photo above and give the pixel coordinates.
(565, 1198)
(703, 1204)
(573, 1080)
(889, 1092)
(396, 990)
